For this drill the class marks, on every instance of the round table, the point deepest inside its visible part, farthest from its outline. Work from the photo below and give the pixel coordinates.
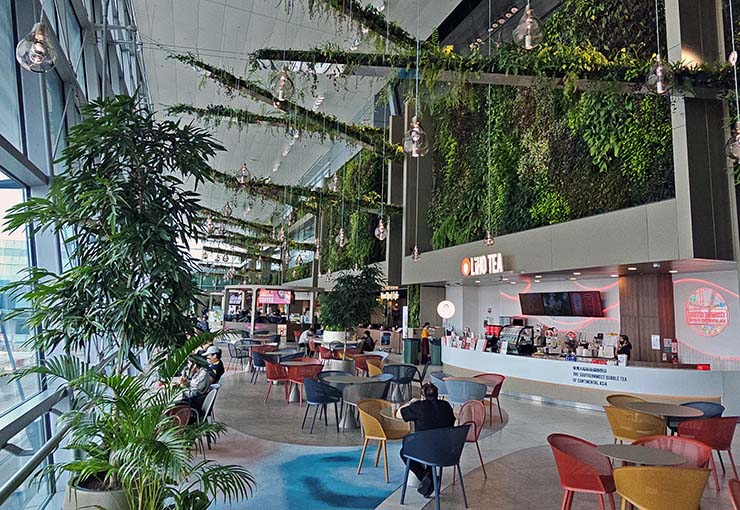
(389, 413)
(397, 396)
(665, 410)
(294, 391)
(279, 354)
(643, 455)
(348, 420)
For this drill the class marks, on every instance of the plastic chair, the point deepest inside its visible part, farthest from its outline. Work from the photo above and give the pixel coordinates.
(403, 375)
(621, 400)
(734, 486)
(717, 433)
(473, 413)
(182, 414)
(628, 425)
(258, 364)
(494, 383)
(353, 394)
(661, 488)
(459, 392)
(696, 453)
(360, 363)
(373, 369)
(206, 413)
(298, 374)
(420, 376)
(320, 395)
(581, 469)
(437, 379)
(325, 353)
(374, 428)
(710, 410)
(237, 355)
(313, 349)
(276, 373)
(437, 448)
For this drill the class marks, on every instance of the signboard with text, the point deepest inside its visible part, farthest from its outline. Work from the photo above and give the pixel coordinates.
(274, 297)
(482, 265)
(707, 312)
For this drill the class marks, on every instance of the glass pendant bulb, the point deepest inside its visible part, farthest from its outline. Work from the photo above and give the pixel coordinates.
(35, 52)
(341, 239)
(328, 274)
(216, 258)
(204, 256)
(528, 33)
(299, 260)
(286, 259)
(225, 258)
(227, 210)
(415, 255)
(659, 79)
(381, 232)
(281, 235)
(335, 183)
(317, 251)
(222, 230)
(210, 226)
(732, 148)
(281, 86)
(416, 141)
(489, 240)
(244, 176)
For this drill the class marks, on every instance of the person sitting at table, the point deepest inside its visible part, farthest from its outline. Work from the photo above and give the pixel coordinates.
(196, 389)
(368, 344)
(625, 347)
(307, 335)
(215, 367)
(429, 413)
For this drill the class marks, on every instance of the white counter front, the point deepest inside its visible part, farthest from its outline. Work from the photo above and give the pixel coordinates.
(666, 382)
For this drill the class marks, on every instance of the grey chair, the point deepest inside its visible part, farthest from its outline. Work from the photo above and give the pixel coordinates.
(437, 379)
(355, 393)
(459, 392)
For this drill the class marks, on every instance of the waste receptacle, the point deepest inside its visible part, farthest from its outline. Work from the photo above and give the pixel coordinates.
(411, 351)
(436, 351)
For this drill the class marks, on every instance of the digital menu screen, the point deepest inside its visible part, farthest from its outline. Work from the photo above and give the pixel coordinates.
(557, 304)
(586, 304)
(532, 304)
(274, 297)
(562, 304)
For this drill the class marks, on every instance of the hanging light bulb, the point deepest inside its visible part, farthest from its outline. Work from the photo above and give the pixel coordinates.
(416, 141)
(35, 52)
(216, 258)
(528, 33)
(244, 176)
(227, 210)
(335, 183)
(204, 256)
(281, 86)
(299, 260)
(489, 240)
(281, 235)
(225, 258)
(341, 238)
(210, 226)
(317, 251)
(659, 79)
(222, 230)
(356, 268)
(328, 274)
(732, 148)
(287, 257)
(380, 231)
(415, 255)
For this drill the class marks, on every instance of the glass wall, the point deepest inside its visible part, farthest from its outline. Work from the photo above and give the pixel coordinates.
(55, 115)
(10, 112)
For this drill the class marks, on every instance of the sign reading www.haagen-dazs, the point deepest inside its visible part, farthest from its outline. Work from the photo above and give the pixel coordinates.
(482, 265)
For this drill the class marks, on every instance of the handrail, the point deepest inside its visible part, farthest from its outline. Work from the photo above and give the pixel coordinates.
(26, 413)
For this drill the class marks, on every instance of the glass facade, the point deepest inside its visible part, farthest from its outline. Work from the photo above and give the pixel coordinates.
(10, 108)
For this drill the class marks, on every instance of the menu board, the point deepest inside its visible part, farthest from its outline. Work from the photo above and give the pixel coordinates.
(586, 304)
(532, 304)
(562, 304)
(274, 297)
(557, 304)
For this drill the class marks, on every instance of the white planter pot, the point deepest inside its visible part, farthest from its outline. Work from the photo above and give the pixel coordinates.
(76, 498)
(334, 336)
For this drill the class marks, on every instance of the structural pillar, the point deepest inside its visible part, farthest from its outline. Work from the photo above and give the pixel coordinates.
(394, 247)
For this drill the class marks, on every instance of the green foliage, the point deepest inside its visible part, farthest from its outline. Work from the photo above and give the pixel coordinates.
(353, 299)
(123, 195)
(299, 272)
(413, 295)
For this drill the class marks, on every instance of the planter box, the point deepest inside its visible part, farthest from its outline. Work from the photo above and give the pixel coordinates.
(76, 498)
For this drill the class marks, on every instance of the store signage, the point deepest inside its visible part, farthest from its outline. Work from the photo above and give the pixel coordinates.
(389, 295)
(596, 375)
(707, 312)
(274, 297)
(482, 265)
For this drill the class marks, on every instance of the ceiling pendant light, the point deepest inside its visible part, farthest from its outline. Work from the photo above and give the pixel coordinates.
(341, 238)
(216, 258)
(732, 148)
(222, 230)
(415, 255)
(281, 235)
(489, 240)
(210, 226)
(334, 183)
(281, 86)
(528, 33)
(317, 251)
(227, 210)
(244, 175)
(328, 274)
(416, 141)
(204, 256)
(230, 274)
(225, 258)
(35, 52)
(659, 79)
(299, 260)
(380, 231)
(286, 259)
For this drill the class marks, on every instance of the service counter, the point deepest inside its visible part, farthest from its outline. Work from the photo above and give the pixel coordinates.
(586, 384)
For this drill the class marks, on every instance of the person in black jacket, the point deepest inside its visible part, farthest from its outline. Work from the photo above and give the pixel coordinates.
(429, 413)
(215, 367)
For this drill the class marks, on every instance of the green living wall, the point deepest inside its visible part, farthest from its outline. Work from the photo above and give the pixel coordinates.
(510, 159)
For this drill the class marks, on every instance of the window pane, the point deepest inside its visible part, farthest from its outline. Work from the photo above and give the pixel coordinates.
(55, 101)
(10, 115)
(33, 493)
(13, 332)
(74, 38)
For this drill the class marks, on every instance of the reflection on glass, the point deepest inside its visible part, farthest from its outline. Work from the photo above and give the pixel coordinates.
(57, 122)
(34, 492)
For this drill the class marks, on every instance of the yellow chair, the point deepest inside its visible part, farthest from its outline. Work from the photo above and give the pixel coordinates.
(628, 425)
(373, 428)
(661, 488)
(620, 400)
(374, 368)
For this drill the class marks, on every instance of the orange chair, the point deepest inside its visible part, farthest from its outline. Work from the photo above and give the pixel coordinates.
(373, 428)
(473, 413)
(696, 453)
(717, 433)
(360, 363)
(734, 487)
(276, 373)
(312, 347)
(297, 373)
(628, 425)
(296, 336)
(325, 353)
(661, 488)
(581, 469)
(494, 382)
(621, 400)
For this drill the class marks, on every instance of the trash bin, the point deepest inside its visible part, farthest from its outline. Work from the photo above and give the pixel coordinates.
(411, 351)
(436, 350)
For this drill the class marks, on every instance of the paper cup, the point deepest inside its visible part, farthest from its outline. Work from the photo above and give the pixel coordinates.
(622, 359)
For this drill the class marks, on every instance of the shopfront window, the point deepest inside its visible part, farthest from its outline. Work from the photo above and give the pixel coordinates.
(14, 258)
(10, 115)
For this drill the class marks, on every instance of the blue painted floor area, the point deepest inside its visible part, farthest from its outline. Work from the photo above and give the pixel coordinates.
(321, 478)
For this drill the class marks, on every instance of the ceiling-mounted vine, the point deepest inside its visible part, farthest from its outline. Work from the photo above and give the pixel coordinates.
(244, 241)
(243, 255)
(247, 225)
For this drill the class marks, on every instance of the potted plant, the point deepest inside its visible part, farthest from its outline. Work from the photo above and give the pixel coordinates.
(352, 301)
(126, 218)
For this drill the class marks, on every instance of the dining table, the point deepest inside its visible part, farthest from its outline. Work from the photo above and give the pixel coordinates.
(278, 355)
(665, 410)
(295, 395)
(641, 455)
(340, 381)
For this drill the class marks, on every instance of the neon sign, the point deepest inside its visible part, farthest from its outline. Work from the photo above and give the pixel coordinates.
(706, 312)
(482, 265)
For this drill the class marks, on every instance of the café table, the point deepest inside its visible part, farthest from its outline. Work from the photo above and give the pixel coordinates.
(641, 455)
(339, 382)
(280, 354)
(294, 390)
(665, 410)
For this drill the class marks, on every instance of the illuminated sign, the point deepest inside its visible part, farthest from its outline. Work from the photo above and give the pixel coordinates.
(706, 312)
(274, 297)
(482, 265)
(391, 295)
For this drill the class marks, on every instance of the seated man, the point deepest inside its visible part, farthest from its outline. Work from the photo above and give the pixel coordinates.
(307, 335)
(368, 344)
(215, 367)
(197, 388)
(429, 413)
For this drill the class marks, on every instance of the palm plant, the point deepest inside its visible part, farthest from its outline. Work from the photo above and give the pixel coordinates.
(353, 299)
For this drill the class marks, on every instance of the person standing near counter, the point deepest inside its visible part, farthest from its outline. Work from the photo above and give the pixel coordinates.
(425, 343)
(625, 347)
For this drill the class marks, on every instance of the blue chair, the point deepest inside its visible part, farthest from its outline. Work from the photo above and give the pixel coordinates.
(289, 357)
(437, 448)
(383, 377)
(402, 377)
(320, 395)
(459, 392)
(710, 410)
(437, 379)
(258, 365)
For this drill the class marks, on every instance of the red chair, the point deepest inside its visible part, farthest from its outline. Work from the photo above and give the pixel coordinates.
(734, 487)
(325, 353)
(360, 363)
(297, 373)
(275, 373)
(696, 453)
(473, 413)
(296, 336)
(717, 433)
(180, 413)
(581, 469)
(494, 382)
(312, 347)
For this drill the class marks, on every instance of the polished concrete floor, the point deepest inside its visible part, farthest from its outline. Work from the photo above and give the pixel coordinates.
(521, 471)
